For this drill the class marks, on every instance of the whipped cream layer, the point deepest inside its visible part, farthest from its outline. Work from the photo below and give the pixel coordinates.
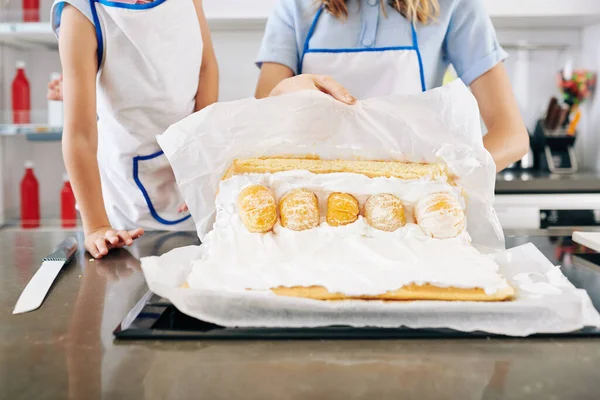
(355, 259)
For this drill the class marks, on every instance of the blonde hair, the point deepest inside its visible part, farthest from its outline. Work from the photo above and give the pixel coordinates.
(422, 11)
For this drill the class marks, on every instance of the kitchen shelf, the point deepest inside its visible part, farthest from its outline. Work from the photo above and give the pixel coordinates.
(53, 136)
(39, 35)
(33, 132)
(28, 35)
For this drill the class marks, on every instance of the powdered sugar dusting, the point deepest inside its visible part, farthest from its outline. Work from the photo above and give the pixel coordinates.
(440, 215)
(385, 212)
(258, 210)
(299, 210)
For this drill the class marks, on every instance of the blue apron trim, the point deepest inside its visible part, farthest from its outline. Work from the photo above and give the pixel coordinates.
(145, 6)
(416, 46)
(311, 32)
(366, 50)
(100, 49)
(313, 27)
(140, 185)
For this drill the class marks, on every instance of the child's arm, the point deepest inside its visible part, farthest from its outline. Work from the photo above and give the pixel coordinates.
(77, 46)
(208, 88)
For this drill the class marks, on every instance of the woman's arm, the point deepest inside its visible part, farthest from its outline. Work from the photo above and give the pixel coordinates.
(77, 47)
(507, 139)
(208, 87)
(271, 74)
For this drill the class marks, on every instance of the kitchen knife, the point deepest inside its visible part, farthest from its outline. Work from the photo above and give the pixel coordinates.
(551, 111)
(553, 118)
(564, 113)
(37, 288)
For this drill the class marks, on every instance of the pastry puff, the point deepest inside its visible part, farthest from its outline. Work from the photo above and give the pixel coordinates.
(440, 215)
(385, 212)
(342, 209)
(299, 209)
(257, 208)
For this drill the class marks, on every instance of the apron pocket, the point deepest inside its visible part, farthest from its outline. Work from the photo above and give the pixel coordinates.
(153, 176)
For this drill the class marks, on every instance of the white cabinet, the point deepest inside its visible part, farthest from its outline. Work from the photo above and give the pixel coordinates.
(541, 8)
(504, 13)
(543, 13)
(243, 13)
(238, 9)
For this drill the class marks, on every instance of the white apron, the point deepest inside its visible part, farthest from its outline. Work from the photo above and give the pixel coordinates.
(149, 59)
(367, 72)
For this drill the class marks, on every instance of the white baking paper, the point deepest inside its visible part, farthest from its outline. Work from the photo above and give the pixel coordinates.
(546, 302)
(440, 124)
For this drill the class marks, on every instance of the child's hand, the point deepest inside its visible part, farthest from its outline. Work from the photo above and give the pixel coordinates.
(55, 90)
(183, 208)
(103, 239)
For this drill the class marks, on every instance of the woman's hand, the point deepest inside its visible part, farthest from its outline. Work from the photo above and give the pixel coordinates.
(103, 239)
(55, 90)
(322, 83)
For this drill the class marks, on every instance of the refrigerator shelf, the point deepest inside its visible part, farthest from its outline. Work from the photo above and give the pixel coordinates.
(33, 132)
(27, 35)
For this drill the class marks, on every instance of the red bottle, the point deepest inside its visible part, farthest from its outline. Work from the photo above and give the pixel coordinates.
(30, 199)
(68, 213)
(31, 10)
(20, 96)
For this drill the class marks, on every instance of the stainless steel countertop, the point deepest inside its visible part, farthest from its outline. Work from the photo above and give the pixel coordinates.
(66, 348)
(536, 182)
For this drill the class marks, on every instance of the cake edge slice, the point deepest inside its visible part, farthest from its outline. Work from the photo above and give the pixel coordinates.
(405, 293)
(411, 292)
(372, 169)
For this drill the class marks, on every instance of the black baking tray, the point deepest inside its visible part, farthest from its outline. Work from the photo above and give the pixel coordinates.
(155, 318)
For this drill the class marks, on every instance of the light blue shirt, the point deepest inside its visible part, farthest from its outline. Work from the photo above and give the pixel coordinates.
(462, 35)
